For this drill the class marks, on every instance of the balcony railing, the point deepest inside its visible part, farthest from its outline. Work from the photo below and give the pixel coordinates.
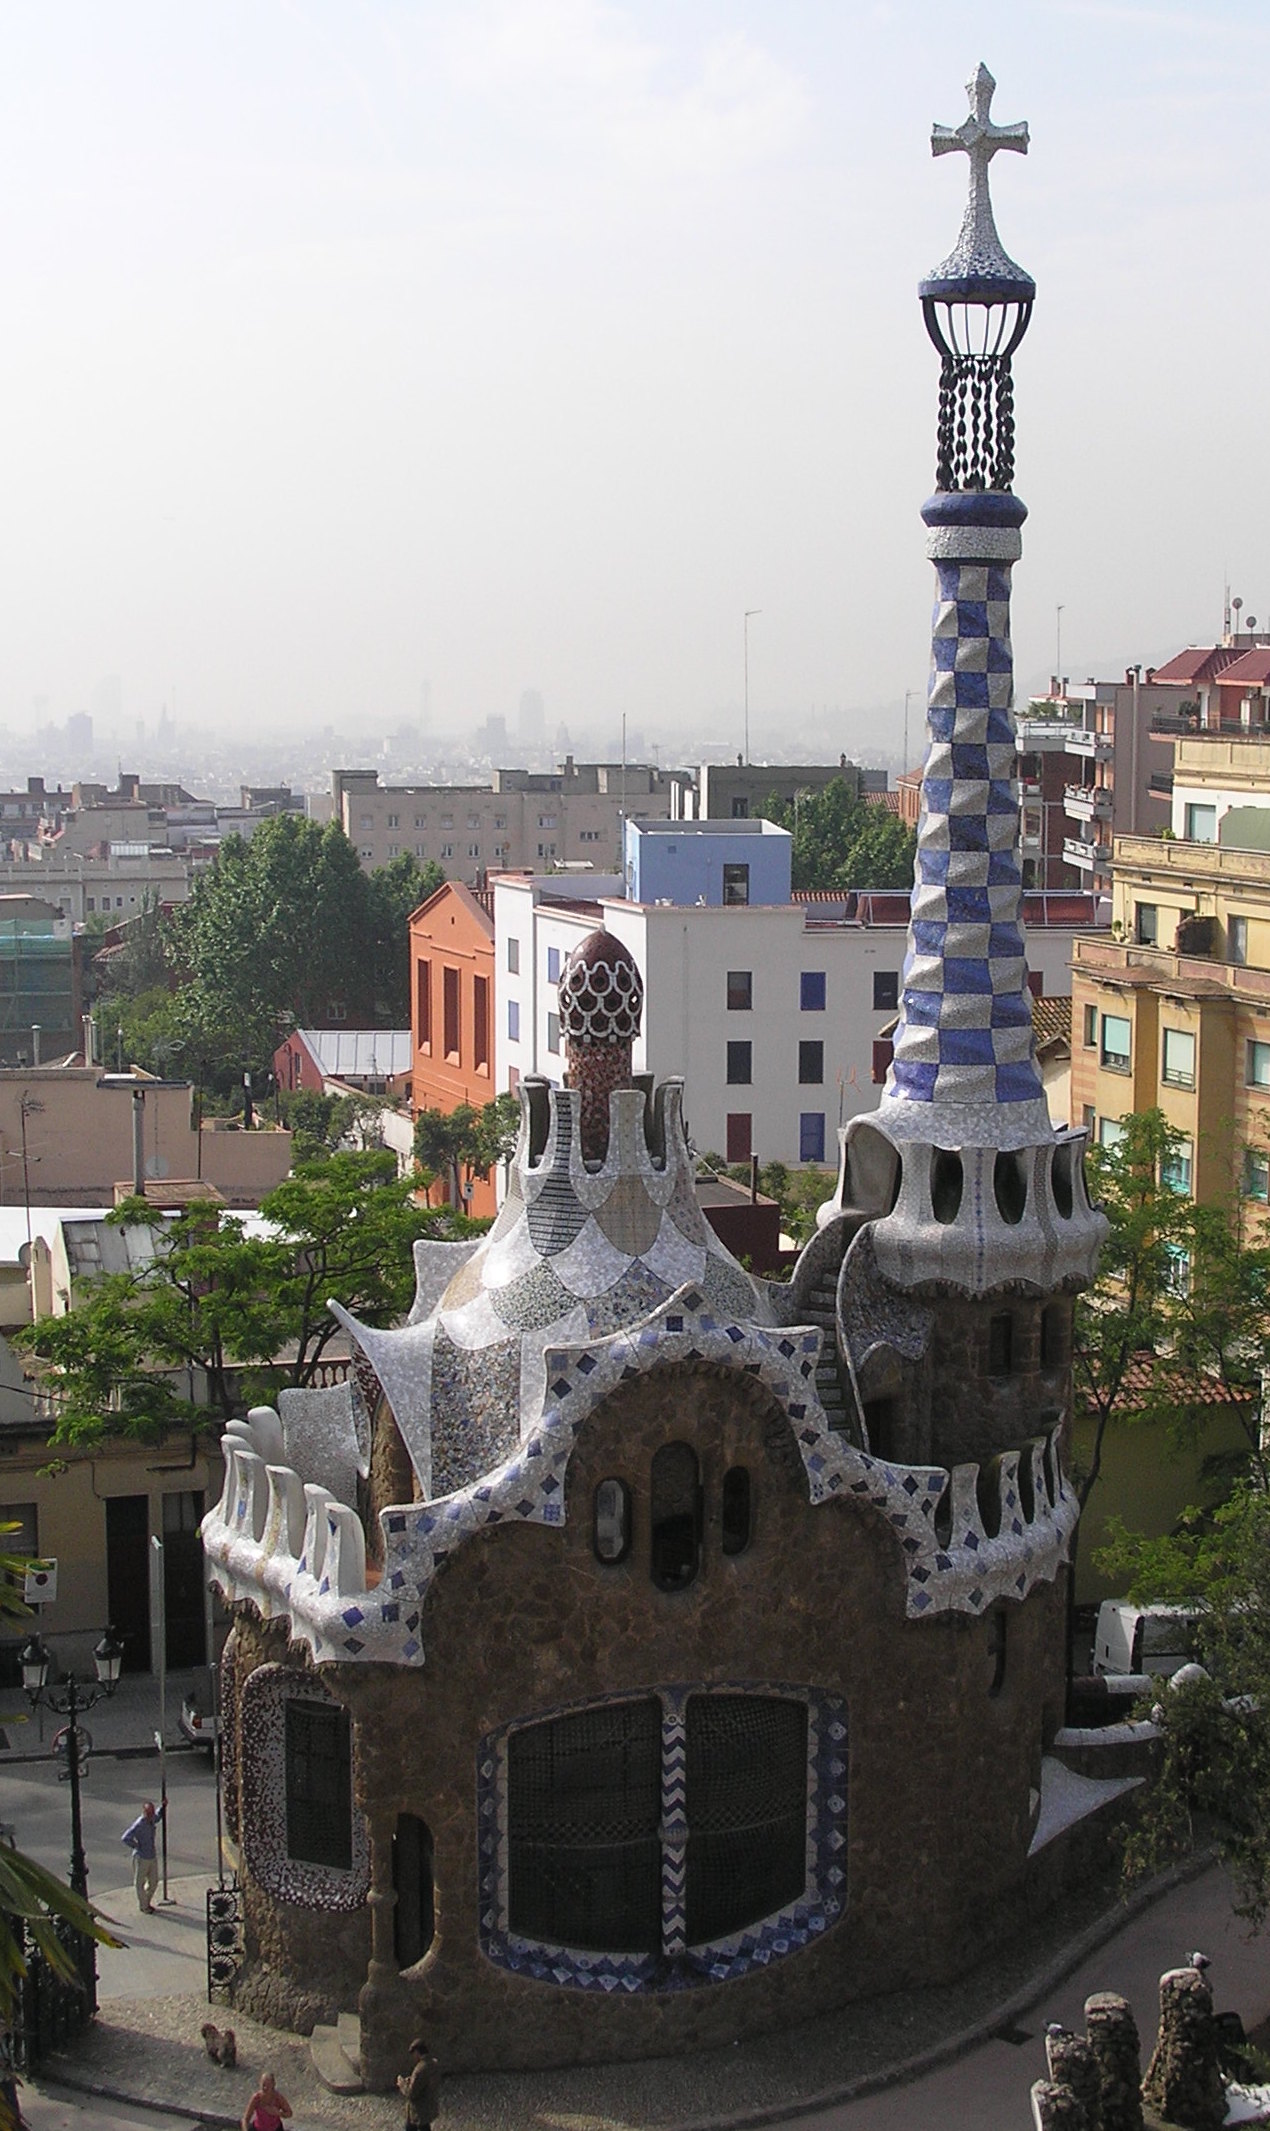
(1172, 855)
(1093, 858)
(1095, 956)
(1092, 747)
(1088, 802)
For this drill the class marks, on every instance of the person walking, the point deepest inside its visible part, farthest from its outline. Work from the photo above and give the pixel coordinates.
(421, 2086)
(140, 1840)
(268, 2108)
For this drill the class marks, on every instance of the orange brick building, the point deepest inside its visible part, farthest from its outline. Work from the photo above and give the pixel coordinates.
(452, 1008)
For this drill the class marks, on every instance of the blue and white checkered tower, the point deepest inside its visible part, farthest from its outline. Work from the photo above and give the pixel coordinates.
(964, 1070)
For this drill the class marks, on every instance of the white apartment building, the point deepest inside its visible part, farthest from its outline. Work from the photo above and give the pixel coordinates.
(769, 1013)
(86, 887)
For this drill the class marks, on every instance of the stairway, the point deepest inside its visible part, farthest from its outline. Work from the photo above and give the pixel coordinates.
(336, 2055)
(821, 1309)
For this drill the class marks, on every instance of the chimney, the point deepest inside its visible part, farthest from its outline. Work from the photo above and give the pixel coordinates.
(90, 1039)
(139, 1142)
(35, 1043)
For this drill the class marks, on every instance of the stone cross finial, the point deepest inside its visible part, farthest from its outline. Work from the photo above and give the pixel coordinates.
(979, 248)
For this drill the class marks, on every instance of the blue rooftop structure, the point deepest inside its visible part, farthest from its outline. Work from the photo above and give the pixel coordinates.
(712, 862)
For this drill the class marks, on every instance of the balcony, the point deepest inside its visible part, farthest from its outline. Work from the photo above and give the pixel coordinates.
(1158, 968)
(1161, 782)
(1088, 802)
(1091, 747)
(1090, 857)
(1044, 736)
(1190, 863)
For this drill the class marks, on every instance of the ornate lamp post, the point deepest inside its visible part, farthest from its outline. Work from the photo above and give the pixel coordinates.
(72, 1702)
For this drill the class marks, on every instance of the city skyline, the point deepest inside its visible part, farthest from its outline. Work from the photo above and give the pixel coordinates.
(531, 346)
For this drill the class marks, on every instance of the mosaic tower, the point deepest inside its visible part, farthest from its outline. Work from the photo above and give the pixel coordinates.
(964, 1068)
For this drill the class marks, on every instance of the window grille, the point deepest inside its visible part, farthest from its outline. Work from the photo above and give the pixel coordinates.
(583, 1821)
(747, 1810)
(319, 1785)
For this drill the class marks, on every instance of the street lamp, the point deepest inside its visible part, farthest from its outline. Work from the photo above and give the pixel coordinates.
(72, 1702)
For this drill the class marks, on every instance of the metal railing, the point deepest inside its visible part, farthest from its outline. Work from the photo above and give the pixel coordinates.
(53, 2009)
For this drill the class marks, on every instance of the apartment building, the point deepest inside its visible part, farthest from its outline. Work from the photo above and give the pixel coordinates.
(1094, 763)
(84, 887)
(452, 1009)
(736, 791)
(571, 816)
(769, 1012)
(39, 981)
(1174, 1009)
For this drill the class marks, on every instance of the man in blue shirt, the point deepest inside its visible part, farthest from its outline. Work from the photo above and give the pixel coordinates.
(140, 1840)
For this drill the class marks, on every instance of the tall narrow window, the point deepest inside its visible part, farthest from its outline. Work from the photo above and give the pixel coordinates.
(513, 957)
(423, 1005)
(736, 884)
(319, 1784)
(612, 1520)
(1237, 941)
(811, 991)
(740, 991)
(735, 1510)
(740, 1068)
(740, 1135)
(675, 1516)
(886, 990)
(1179, 1058)
(811, 1136)
(1146, 921)
(1116, 1042)
(480, 1024)
(811, 1063)
(1000, 1346)
(450, 1013)
(413, 1918)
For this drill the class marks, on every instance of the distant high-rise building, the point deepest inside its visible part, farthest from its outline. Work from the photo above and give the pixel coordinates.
(531, 721)
(79, 733)
(108, 700)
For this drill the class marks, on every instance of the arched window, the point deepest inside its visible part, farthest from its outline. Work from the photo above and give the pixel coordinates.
(735, 1519)
(413, 1920)
(1000, 1345)
(675, 1517)
(612, 1520)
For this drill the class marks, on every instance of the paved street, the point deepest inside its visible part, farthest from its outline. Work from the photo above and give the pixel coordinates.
(165, 1952)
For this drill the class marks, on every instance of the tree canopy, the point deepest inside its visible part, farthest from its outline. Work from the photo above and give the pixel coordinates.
(843, 842)
(225, 1303)
(281, 931)
(1176, 1321)
(466, 1141)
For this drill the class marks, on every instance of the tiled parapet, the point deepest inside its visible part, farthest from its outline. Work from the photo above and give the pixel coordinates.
(965, 1538)
(979, 1219)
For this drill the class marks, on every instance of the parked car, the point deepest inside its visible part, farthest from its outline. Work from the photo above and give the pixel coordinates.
(199, 1729)
(1143, 1641)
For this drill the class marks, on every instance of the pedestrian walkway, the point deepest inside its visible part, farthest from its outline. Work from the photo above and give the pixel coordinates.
(983, 2041)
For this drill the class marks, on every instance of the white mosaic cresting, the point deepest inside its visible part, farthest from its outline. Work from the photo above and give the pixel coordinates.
(322, 1588)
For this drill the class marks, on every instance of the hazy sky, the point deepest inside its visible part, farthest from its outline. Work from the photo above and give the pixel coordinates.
(530, 343)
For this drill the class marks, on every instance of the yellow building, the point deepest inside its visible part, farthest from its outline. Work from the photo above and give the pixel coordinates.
(1173, 1011)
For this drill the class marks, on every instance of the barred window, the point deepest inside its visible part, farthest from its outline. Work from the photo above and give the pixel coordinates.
(583, 1819)
(585, 1825)
(747, 1810)
(319, 1784)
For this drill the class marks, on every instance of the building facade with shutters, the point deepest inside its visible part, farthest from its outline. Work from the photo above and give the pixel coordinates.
(452, 1011)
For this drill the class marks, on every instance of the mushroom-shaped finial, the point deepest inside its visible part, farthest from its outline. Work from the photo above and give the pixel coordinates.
(601, 999)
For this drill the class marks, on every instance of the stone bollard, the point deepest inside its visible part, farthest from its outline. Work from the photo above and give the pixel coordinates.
(1184, 2082)
(1113, 2038)
(1056, 2108)
(1073, 2064)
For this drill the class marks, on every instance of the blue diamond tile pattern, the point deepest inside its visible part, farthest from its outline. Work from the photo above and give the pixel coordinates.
(965, 1029)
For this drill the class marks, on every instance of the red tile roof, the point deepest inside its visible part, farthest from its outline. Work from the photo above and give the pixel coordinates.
(1250, 669)
(1150, 1376)
(1201, 662)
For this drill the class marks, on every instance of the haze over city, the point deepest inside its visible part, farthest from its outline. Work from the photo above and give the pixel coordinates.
(372, 364)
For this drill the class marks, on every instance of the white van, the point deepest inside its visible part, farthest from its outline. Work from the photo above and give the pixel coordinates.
(1143, 1640)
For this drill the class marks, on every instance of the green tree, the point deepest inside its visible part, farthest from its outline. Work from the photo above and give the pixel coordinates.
(843, 842)
(154, 1031)
(1214, 1779)
(275, 932)
(396, 890)
(222, 1303)
(466, 1142)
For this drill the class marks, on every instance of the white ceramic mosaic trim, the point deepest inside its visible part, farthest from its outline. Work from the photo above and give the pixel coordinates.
(322, 1589)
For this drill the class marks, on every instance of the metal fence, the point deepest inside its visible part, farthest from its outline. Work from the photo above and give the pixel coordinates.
(53, 2009)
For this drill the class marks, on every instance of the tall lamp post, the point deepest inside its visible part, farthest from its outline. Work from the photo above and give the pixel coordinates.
(72, 1702)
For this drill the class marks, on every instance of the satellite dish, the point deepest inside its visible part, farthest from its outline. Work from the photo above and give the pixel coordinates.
(157, 1167)
(1252, 622)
